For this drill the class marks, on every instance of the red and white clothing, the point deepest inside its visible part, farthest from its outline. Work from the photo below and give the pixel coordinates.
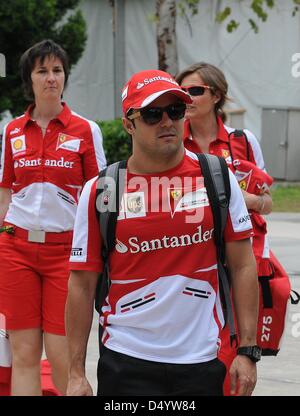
(46, 174)
(250, 175)
(221, 147)
(253, 180)
(163, 304)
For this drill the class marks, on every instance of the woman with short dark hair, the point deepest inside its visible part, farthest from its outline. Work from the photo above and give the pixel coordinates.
(41, 51)
(47, 155)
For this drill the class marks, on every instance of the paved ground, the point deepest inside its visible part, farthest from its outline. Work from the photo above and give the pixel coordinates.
(277, 376)
(280, 376)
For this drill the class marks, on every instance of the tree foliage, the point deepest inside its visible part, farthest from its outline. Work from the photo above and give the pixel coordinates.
(25, 22)
(258, 7)
(167, 46)
(116, 141)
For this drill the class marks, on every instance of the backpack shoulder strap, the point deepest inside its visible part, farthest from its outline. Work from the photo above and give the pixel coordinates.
(216, 180)
(110, 189)
(239, 135)
(217, 183)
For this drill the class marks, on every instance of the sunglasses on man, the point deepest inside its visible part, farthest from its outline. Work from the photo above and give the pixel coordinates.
(196, 90)
(153, 115)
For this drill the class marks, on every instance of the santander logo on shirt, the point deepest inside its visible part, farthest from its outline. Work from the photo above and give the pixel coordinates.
(59, 163)
(135, 246)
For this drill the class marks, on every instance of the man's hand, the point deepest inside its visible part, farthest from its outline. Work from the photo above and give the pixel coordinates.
(79, 386)
(243, 376)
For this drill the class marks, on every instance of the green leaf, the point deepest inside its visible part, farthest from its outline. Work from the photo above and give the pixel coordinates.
(253, 25)
(222, 15)
(256, 6)
(232, 26)
(192, 5)
(270, 3)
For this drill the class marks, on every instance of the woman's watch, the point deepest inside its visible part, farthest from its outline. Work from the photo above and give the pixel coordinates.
(253, 352)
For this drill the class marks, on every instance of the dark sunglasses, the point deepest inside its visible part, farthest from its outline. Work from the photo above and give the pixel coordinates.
(153, 115)
(196, 90)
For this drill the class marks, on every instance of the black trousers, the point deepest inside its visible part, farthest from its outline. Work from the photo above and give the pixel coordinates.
(122, 375)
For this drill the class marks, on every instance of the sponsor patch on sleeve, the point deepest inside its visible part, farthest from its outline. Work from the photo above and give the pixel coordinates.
(18, 145)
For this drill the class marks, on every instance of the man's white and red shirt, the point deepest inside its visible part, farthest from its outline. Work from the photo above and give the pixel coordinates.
(163, 303)
(47, 174)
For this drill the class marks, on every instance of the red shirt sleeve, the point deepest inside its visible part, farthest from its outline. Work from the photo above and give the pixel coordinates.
(7, 175)
(86, 247)
(93, 158)
(239, 224)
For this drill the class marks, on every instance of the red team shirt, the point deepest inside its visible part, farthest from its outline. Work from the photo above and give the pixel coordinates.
(47, 173)
(220, 147)
(163, 303)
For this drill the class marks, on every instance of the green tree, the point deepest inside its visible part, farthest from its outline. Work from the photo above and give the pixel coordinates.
(259, 9)
(25, 22)
(165, 18)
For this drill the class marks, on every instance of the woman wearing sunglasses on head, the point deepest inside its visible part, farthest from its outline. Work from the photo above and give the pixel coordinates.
(47, 156)
(205, 132)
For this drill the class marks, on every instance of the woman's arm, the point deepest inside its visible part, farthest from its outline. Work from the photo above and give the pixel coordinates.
(262, 204)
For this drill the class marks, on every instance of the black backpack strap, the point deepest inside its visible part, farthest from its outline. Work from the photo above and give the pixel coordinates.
(216, 180)
(296, 298)
(266, 291)
(217, 183)
(264, 281)
(238, 134)
(110, 189)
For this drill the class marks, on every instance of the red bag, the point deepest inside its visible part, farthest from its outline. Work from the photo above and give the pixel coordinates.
(275, 290)
(274, 287)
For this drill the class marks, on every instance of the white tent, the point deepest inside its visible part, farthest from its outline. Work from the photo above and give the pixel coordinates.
(263, 70)
(258, 67)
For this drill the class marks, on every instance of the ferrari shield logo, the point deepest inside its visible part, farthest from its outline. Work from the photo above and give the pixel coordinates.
(187, 198)
(225, 153)
(62, 138)
(243, 185)
(176, 194)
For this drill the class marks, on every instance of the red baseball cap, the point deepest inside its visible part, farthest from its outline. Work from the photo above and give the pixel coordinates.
(145, 86)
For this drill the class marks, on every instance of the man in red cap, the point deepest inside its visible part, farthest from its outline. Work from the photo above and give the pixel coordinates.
(162, 316)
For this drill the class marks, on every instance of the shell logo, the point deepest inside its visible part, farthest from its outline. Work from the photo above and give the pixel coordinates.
(18, 144)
